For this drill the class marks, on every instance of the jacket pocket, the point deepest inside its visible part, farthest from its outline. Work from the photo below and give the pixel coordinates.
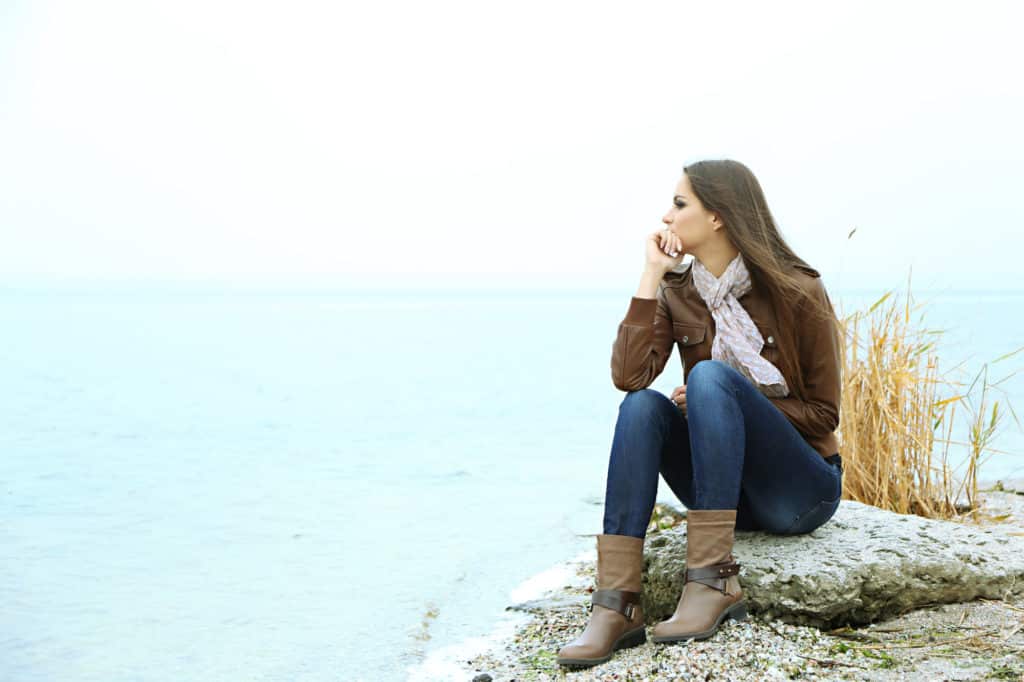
(691, 339)
(688, 334)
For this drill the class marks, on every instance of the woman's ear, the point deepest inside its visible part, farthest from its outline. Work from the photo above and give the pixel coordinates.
(716, 222)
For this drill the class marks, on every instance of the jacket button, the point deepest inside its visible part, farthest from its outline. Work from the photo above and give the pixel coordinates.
(771, 339)
(685, 339)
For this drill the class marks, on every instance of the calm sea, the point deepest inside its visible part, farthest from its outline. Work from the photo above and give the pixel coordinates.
(318, 487)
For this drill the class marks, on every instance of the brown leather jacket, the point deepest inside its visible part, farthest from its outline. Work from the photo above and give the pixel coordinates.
(678, 316)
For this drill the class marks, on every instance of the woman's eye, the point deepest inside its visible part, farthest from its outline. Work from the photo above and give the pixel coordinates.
(679, 204)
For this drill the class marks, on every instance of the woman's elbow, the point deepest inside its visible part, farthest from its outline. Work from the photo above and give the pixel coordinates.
(624, 383)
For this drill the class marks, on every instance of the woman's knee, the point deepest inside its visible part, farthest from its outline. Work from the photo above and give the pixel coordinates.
(710, 371)
(709, 375)
(642, 403)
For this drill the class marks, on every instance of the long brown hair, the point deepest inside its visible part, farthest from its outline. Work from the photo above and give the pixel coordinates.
(730, 189)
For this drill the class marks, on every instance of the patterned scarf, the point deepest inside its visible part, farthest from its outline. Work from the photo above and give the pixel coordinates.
(737, 340)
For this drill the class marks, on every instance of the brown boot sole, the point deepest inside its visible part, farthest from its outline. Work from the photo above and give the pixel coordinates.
(737, 612)
(629, 639)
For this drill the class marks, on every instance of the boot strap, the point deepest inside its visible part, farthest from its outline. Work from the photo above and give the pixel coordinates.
(617, 600)
(713, 576)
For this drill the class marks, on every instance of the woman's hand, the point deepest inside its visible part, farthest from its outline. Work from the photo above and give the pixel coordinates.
(664, 250)
(679, 397)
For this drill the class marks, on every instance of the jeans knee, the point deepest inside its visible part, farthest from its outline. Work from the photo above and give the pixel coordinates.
(709, 369)
(708, 375)
(641, 403)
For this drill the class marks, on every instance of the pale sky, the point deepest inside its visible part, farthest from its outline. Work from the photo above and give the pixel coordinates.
(391, 144)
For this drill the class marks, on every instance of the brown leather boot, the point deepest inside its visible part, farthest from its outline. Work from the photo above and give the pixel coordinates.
(711, 588)
(616, 619)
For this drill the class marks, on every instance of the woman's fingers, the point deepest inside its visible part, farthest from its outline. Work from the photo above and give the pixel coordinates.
(679, 397)
(670, 244)
(668, 241)
(665, 240)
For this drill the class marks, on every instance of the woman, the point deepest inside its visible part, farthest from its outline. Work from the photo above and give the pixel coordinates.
(747, 442)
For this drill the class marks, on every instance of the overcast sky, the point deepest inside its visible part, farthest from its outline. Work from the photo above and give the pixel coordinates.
(384, 144)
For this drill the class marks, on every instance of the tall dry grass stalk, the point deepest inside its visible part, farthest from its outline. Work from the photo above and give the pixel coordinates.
(897, 408)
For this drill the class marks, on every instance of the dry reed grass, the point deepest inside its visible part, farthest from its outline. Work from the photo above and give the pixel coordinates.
(897, 408)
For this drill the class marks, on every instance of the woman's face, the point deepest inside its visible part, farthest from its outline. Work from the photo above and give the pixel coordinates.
(688, 219)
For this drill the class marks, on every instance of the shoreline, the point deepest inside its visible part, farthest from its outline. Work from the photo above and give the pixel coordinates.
(449, 662)
(953, 641)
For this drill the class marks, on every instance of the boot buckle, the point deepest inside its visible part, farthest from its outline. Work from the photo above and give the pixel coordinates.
(623, 601)
(714, 576)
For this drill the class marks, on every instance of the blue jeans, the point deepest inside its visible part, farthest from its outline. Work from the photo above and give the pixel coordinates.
(732, 450)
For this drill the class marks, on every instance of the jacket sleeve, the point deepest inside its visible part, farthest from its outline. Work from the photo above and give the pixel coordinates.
(643, 344)
(821, 363)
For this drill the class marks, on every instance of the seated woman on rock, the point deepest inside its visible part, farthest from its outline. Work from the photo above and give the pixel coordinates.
(747, 442)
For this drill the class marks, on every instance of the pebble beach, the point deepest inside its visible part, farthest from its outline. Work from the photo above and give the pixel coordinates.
(981, 639)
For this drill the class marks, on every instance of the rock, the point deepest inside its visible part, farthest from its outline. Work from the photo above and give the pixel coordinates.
(482, 677)
(863, 565)
(555, 603)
